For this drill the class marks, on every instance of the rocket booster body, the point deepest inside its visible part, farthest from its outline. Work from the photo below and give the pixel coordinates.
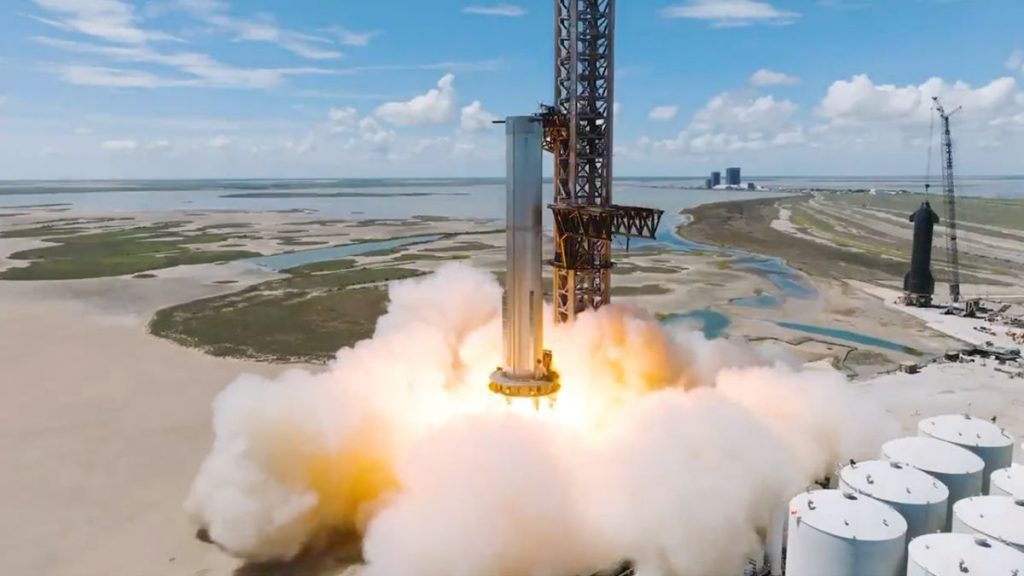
(919, 284)
(526, 369)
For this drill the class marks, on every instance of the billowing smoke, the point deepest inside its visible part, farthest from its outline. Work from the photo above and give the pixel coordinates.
(663, 447)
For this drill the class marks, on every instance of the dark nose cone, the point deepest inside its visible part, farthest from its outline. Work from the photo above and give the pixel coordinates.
(919, 280)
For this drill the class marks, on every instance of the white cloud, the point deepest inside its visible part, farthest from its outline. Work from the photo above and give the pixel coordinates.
(83, 130)
(475, 119)
(663, 113)
(738, 112)
(260, 29)
(194, 69)
(373, 134)
(1015, 62)
(350, 37)
(510, 10)
(219, 141)
(342, 119)
(119, 145)
(111, 20)
(437, 106)
(765, 77)
(731, 13)
(859, 101)
(158, 145)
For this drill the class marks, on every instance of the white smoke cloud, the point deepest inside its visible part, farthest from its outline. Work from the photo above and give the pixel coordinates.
(661, 447)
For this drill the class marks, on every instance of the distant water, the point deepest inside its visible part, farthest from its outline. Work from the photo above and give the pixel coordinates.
(283, 261)
(403, 198)
(712, 322)
(849, 336)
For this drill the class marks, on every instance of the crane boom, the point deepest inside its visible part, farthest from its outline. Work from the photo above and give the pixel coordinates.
(578, 132)
(949, 198)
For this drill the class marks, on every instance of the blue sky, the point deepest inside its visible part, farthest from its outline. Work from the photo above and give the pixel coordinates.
(335, 88)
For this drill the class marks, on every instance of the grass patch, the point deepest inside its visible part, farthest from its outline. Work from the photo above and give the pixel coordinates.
(423, 257)
(644, 290)
(307, 317)
(286, 241)
(119, 252)
(461, 247)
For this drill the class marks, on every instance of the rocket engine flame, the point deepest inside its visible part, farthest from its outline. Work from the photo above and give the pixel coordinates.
(664, 448)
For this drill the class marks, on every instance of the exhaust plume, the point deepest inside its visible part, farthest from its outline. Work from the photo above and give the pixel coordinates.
(664, 447)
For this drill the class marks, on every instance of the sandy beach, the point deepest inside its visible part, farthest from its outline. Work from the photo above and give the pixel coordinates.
(103, 428)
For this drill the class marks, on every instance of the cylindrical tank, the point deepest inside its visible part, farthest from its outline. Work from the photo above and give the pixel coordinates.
(919, 284)
(956, 467)
(919, 497)
(993, 444)
(960, 554)
(998, 517)
(842, 534)
(1008, 482)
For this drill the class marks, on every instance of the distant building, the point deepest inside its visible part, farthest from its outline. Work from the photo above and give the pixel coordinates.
(751, 186)
(732, 176)
(716, 179)
(708, 183)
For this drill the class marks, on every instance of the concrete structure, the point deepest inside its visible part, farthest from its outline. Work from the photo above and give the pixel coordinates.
(960, 554)
(957, 468)
(526, 371)
(1008, 482)
(990, 442)
(708, 183)
(716, 179)
(919, 497)
(732, 176)
(842, 534)
(997, 517)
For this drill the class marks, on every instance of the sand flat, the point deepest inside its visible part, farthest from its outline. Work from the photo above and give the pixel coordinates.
(102, 428)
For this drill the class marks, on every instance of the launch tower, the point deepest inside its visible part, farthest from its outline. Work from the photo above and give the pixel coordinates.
(578, 132)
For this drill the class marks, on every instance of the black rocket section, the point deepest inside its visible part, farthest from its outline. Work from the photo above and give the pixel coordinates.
(919, 284)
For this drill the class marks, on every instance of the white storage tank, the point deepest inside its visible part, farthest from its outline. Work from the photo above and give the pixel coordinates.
(960, 554)
(1008, 482)
(990, 442)
(958, 468)
(920, 498)
(843, 534)
(997, 517)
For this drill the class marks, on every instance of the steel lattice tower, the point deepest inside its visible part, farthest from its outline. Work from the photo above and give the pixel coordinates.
(578, 132)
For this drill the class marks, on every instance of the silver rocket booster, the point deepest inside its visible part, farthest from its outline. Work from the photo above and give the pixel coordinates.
(526, 371)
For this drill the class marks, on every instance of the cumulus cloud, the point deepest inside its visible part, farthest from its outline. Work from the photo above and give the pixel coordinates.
(437, 106)
(737, 111)
(859, 101)
(1015, 62)
(343, 119)
(119, 145)
(731, 13)
(475, 119)
(663, 113)
(765, 77)
(508, 10)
